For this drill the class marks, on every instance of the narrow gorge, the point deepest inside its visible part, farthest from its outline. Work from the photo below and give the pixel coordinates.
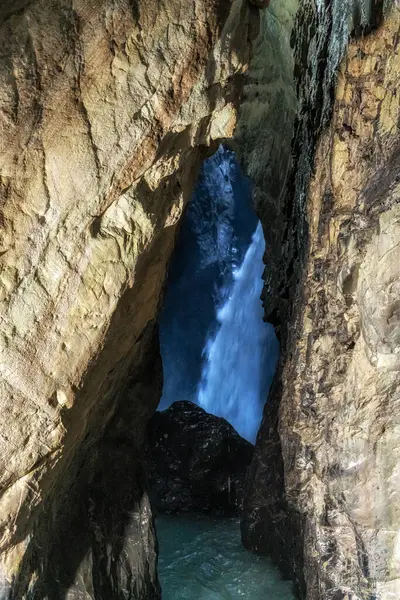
(117, 119)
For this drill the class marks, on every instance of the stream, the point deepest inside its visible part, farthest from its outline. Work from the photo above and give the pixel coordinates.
(201, 558)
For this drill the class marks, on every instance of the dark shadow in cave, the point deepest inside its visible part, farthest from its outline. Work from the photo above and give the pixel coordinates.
(88, 542)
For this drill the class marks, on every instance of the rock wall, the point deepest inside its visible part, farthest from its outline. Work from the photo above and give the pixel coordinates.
(195, 462)
(323, 496)
(105, 110)
(265, 127)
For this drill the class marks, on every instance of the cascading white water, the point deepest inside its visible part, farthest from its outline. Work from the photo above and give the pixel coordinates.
(215, 234)
(216, 349)
(241, 357)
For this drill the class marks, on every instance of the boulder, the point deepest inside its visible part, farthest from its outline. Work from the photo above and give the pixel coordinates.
(196, 461)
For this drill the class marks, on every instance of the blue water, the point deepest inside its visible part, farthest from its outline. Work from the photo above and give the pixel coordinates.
(215, 348)
(241, 357)
(215, 234)
(203, 559)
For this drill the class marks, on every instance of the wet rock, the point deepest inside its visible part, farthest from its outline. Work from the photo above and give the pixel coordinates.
(323, 492)
(260, 3)
(197, 462)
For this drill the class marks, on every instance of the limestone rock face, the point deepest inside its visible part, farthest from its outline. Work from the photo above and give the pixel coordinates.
(266, 120)
(105, 109)
(196, 462)
(331, 478)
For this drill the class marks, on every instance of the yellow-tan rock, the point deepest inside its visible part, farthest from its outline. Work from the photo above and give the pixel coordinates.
(105, 110)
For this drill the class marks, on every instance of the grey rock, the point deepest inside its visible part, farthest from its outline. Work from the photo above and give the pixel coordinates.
(196, 462)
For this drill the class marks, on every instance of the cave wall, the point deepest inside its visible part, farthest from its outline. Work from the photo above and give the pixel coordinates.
(106, 111)
(265, 128)
(105, 108)
(323, 495)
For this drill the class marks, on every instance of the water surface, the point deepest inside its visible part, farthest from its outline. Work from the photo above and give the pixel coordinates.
(203, 559)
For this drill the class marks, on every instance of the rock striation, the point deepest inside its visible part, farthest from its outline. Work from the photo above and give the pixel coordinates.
(323, 495)
(196, 461)
(106, 111)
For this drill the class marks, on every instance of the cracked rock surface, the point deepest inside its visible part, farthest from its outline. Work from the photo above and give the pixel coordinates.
(325, 493)
(106, 108)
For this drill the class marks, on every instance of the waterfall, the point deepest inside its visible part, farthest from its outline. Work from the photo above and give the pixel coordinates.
(215, 347)
(241, 357)
(215, 234)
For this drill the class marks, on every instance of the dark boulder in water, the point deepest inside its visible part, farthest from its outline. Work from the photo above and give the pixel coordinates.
(197, 462)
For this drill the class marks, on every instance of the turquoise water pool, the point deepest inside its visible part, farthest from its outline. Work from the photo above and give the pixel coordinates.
(203, 559)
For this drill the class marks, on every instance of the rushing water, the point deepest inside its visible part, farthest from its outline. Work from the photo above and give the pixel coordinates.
(215, 234)
(203, 559)
(216, 349)
(241, 358)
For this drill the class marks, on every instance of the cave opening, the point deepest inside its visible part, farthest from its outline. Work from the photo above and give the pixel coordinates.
(219, 358)
(216, 350)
